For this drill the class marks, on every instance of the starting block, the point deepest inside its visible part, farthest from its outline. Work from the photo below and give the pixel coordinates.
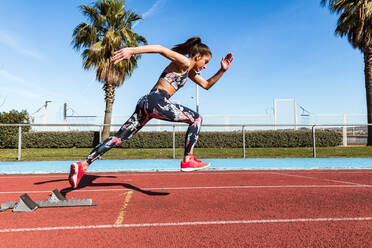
(26, 204)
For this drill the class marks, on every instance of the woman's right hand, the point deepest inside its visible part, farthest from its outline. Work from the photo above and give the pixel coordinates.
(122, 54)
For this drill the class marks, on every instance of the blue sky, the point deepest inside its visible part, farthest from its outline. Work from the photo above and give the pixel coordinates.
(282, 49)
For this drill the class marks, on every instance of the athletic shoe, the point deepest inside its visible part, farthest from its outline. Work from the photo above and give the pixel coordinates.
(193, 164)
(76, 173)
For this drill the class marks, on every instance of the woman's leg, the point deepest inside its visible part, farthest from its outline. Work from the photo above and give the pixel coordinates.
(169, 111)
(130, 127)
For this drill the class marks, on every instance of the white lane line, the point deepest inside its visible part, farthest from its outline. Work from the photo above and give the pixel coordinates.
(202, 187)
(322, 179)
(184, 224)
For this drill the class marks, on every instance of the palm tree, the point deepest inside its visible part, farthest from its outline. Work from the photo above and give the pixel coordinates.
(355, 22)
(109, 30)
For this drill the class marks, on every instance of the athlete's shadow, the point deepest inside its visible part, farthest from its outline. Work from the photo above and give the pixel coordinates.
(87, 181)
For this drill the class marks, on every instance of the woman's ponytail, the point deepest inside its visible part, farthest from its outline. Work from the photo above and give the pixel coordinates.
(191, 47)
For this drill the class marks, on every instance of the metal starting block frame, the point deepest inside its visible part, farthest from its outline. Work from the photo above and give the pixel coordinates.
(26, 204)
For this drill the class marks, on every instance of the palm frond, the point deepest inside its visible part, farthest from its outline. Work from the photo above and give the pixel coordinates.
(93, 55)
(93, 15)
(84, 35)
(133, 17)
(355, 20)
(140, 39)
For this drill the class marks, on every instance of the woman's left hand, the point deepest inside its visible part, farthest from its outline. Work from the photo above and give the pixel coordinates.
(121, 54)
(226, 61)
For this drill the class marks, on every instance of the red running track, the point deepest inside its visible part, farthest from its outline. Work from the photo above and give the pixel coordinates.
(315, 208)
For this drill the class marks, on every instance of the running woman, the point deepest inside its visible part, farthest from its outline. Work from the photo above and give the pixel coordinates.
(187, 60)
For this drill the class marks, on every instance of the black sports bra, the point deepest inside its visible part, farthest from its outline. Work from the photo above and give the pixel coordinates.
(175, 79)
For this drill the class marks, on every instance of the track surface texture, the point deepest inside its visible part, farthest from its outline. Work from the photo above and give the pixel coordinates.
(302, 208)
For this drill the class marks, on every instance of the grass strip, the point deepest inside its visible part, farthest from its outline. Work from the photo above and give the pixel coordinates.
(42, 154)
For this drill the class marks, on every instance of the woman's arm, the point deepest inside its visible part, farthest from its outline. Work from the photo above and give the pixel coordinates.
(127, 52)
(207, 84)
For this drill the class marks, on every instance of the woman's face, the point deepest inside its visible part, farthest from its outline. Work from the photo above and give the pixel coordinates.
(201, 62)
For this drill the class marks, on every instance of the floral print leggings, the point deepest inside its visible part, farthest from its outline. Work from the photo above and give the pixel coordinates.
(156, 105)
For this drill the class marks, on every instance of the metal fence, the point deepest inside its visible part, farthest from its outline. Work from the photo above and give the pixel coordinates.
(241, 119)
(242, 127)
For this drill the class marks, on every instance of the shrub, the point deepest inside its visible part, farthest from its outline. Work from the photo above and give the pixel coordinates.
(86, 139)
(8, 135)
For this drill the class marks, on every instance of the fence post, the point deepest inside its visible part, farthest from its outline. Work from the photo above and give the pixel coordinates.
(344, 131)
(100, 133)
(19, 142)
(174, 142)
(314, 144)
(243, 130)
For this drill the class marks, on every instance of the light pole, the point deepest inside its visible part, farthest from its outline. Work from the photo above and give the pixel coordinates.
(197, 98)
(45, 113)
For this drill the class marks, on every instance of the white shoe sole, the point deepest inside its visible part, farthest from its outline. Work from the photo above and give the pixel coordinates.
(194, 169)
(74, 177)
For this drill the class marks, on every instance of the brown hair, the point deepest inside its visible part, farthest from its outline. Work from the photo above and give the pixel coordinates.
(191, 47)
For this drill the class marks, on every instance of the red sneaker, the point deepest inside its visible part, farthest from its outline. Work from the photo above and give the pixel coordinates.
(76, 173)
(193, 164)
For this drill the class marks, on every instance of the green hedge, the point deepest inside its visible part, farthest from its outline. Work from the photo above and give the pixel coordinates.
(7, 134)
(279, 138)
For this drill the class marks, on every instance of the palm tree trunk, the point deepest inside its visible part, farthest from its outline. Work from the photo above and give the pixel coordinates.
(368, 81)
(109, 98)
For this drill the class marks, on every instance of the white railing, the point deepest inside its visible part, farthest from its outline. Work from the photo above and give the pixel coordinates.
(242, 119)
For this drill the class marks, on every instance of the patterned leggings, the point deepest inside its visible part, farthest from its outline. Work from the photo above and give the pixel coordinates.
(156, 105)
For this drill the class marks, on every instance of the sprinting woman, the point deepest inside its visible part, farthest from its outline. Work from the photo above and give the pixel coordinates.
(187, 60)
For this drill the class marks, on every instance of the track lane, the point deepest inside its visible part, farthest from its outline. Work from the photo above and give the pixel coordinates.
(263, 201)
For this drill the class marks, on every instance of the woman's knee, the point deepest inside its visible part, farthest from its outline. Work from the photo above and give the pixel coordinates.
(114, 141)
(197, 120)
